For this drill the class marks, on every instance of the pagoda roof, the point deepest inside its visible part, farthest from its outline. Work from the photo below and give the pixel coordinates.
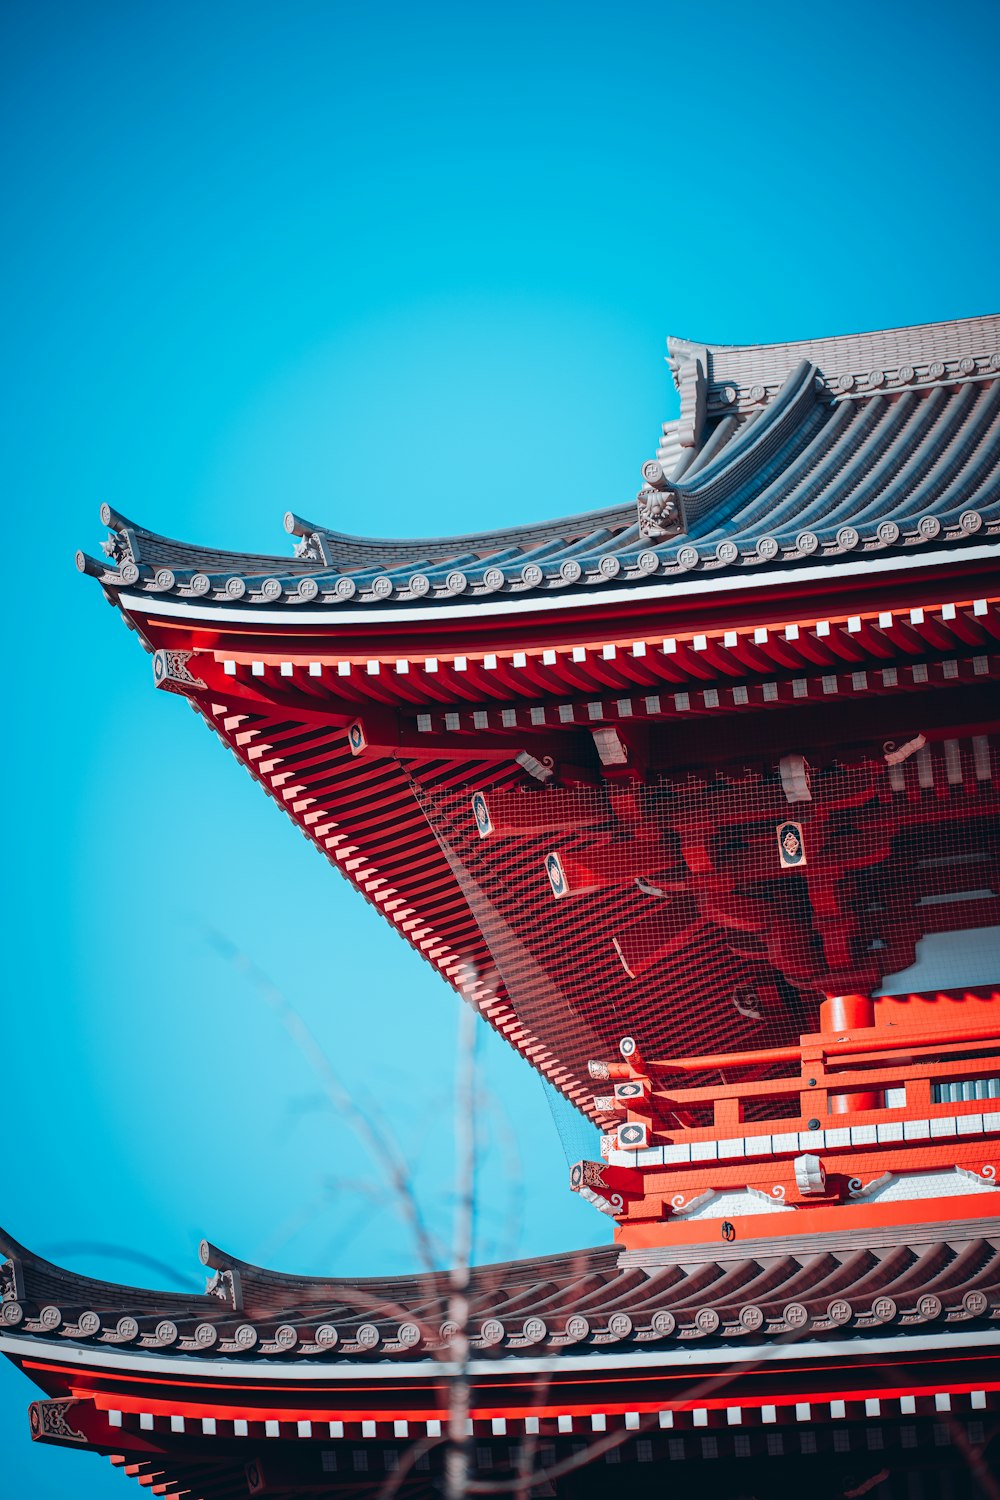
(634, 1304)
(878, 450)
(468, 686)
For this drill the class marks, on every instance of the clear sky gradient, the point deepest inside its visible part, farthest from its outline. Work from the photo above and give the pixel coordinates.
(403, 269)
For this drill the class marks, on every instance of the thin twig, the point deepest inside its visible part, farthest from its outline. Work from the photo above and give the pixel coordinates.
(457, 1452)
(365, 1123)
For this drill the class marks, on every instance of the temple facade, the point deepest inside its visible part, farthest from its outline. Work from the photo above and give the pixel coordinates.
(694, 799)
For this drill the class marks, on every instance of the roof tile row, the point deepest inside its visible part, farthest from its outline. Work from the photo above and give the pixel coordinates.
(587, 1300)
(820, 468)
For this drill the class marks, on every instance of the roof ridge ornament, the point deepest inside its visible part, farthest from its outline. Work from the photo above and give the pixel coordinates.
(658, 504)
(689, 367)
(310, 543)
(853, 365)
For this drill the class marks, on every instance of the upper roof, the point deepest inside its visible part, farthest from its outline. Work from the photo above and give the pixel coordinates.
(784, 455)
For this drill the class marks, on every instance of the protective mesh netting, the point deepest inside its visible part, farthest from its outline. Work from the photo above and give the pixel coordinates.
(578, 1136)
(710, 911)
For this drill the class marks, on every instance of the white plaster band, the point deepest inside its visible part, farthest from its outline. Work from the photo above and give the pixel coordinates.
(496, 605)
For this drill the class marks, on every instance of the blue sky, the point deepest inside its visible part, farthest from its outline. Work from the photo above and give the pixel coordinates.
(402, 269)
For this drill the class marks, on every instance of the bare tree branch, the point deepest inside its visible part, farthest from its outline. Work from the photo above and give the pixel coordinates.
(457, 1452)
(365, 1122)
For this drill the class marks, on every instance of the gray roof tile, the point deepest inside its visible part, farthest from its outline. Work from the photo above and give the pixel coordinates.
(862, 444)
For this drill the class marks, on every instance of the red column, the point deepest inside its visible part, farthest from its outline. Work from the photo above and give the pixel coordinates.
(843, 1014)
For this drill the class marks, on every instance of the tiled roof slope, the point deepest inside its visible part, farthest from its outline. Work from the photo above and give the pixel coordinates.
(784, 456)
(584, 1301)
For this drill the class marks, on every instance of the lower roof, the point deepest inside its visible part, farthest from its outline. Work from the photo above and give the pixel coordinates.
(584, 1307)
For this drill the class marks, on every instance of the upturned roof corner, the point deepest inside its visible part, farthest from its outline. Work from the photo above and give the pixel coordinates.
(783, 454)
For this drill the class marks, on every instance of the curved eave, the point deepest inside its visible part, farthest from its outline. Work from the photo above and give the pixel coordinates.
(815, 476)
(665, 1305)
(349, 551)
(617, 1362)
(695, 582)
(49, 1282)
